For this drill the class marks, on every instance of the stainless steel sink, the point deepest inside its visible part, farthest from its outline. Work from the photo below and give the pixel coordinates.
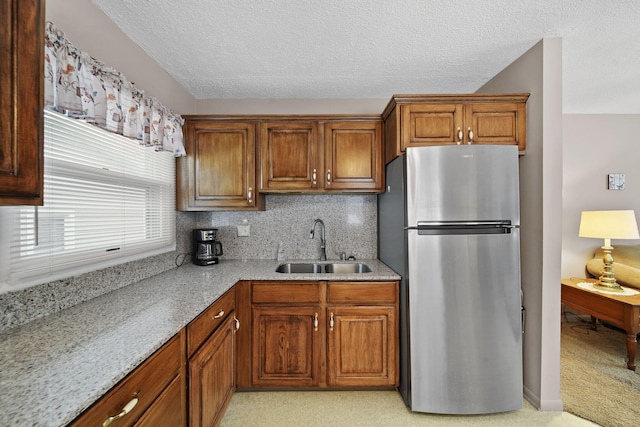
(299, 268)
(323, 268)
(347, 268)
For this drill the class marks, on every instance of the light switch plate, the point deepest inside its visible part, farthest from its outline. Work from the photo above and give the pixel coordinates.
(616, 181)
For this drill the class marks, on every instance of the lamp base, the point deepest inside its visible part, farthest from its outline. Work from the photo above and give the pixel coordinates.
(607, 280)
(609, 287)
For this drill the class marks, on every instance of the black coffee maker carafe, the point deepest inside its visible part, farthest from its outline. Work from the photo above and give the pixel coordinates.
(206, 249)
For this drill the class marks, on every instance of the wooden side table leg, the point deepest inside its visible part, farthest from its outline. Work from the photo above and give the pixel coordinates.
(594, 325)
(632, 344)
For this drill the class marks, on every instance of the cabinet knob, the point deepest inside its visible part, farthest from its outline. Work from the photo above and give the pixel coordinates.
(460, 135)
(250, 194)
(313, 177)
(315, 322)
(331, 322)
(219, 315)
(470, 133)
(127, 408)
(329, 176)
(237, 323)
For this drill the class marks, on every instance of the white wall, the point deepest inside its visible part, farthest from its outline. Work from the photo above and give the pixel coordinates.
(539, 72)
(595, 145)
(90, 30)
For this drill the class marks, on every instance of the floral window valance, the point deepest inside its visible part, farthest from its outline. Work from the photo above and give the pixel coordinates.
(85, 88)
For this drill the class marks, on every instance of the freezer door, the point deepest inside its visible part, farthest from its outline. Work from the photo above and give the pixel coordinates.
(459, 183)
(465, 335)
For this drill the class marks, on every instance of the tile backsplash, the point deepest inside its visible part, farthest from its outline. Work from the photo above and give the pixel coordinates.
(351, 227)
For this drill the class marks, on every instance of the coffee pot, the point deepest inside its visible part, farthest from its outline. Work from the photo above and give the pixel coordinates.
(206, 249)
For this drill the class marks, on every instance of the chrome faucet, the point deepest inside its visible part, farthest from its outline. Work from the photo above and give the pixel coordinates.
(323, 242)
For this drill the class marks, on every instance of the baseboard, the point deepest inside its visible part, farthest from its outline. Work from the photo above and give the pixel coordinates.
(542, 405)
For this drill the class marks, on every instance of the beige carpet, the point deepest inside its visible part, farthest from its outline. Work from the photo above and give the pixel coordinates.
(595, 383)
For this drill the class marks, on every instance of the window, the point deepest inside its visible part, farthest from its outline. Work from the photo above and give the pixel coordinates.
(107, 200)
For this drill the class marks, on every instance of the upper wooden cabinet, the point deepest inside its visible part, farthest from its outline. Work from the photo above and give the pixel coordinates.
(321, 155)
(353, 156)
(21, 103)
(420, 120)
(219, 171)
(290, 156)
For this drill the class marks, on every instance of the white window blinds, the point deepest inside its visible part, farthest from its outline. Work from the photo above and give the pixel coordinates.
(107, 200)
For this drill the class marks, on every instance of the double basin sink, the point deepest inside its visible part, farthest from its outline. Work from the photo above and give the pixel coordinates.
(323, 268)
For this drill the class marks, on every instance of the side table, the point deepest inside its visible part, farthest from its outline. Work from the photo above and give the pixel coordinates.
(622, 311)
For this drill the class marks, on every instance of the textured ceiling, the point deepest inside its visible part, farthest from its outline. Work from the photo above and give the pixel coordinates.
(375, 48)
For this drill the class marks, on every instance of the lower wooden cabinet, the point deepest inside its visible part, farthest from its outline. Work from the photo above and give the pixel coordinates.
(212, 376)
(211, 349)
(154, 394)
(318, 334)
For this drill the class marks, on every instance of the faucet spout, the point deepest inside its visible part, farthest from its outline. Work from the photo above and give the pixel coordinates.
(323, 242)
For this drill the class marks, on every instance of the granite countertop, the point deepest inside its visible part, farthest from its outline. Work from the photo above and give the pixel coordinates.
(56, 366)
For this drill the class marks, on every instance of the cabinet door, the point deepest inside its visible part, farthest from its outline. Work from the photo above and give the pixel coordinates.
(290, 157)
(361, 346)
(218, 172)
(496, 123)
(286, 346)
(353, 156)
(431, 124)
(167, 410)
(212, 377)
(22, 89)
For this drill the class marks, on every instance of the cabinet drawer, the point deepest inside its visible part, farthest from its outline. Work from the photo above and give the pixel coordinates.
(202, 326)
(289, 292)
(362, 293)
(146, 383)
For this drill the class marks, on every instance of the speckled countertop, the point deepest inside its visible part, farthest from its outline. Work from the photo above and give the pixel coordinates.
(55, 367)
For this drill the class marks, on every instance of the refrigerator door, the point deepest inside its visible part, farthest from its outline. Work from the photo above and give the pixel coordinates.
(465, 335)
(462, 182)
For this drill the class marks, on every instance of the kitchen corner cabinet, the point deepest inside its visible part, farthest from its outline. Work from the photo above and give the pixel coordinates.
(321, 156)
(153, 395)
(211, 349)
(423, 120)
(319, 334)
(21, 103)
(219, 170)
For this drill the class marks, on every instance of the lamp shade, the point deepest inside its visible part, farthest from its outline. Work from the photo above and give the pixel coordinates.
(609, 225)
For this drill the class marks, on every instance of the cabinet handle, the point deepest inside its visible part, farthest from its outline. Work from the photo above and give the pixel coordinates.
(329, 176)
(460, 135)
(219, 315)
(250, 194)
(127, 408)
(315, 322)
(331, 322)
(237, 323)
(313, 177)
(470, 132)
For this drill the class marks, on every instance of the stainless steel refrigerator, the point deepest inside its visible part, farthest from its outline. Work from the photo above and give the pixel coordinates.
(449, 225)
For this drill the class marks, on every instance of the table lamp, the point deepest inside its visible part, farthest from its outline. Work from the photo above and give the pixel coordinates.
(608, 225)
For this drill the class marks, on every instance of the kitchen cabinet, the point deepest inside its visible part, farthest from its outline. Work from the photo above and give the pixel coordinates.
(422, 120)
(362, 348)
(154, 394)
(219, 170)
(21, 103)
(211, 349)
(322, 155)
(318, 334)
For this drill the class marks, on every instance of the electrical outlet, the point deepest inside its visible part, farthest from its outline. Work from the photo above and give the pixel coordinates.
(244, 229)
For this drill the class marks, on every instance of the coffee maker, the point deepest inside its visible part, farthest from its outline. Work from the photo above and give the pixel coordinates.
(206, 249)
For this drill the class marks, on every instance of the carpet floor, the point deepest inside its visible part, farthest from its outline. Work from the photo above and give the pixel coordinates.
(595, 383)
